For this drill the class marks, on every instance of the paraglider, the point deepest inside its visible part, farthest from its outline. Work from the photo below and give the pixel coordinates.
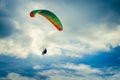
(50, 16)
(44, 51)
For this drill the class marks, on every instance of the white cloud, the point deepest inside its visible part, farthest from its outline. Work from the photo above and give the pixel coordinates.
(75, 72)
(72, 77)
(36, 67)
(69, 75)
(92, 39)
(15, 76)
(80, 68)
(16, 45)
(71, 71)
(64, 75)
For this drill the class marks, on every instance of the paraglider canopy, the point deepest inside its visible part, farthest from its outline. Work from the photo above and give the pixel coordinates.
(44, 51)
(51, 17)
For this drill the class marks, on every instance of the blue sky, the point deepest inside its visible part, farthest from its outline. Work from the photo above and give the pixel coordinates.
(87, 49)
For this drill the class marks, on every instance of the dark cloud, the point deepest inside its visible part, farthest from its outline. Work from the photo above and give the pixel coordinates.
(110, 10)
(98, 11)
(105, 11)
(7, 27)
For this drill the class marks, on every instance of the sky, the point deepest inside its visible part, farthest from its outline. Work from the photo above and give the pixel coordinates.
(88, 47)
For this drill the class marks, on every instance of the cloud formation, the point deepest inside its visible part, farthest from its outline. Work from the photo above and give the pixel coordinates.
(79, 72)
(15, 76)
(35, 69)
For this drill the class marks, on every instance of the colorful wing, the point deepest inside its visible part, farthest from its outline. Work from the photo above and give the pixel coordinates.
(50, 16)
